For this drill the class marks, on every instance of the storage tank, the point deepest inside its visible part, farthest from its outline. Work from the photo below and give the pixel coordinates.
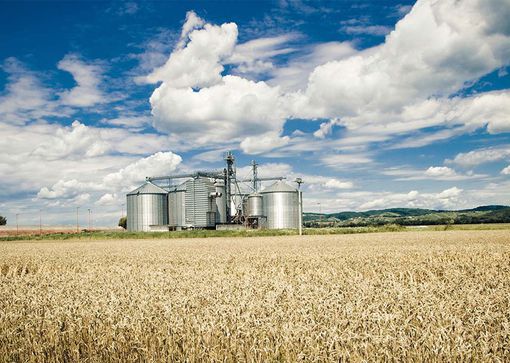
(281, 206)
(200, 208)
(177, 206)
(255, 205)
(221, 202)
(147, 206)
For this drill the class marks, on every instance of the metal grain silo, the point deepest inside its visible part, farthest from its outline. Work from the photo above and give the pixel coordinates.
(146, 206)
(221, 202)
(200, 205)
(281, 206)
(177, 206)
(255, 205)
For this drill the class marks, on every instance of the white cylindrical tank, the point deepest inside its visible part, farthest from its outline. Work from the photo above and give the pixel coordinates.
(255, 205)
(221, 202)
(177, 206)
(281, 206)
(146, 206)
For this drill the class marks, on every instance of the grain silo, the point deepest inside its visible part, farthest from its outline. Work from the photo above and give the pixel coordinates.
(146, 206)
(177, 207)
(210, 198)
(200, 203)
(254, 205)
(281, 206)
(221, 202)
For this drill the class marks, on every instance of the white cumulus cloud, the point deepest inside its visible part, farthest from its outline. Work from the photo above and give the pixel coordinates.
(450, 193)
(108, 192)
(254, 56)
(231, 110)
(158, 164)
(481, 156)
(263, 143)
(446, 199)
(440, 171)
(75, 141)
(67, 189)
(429, 53)
(338, 184)
(443, 173)
(88, 77)
(107, 199)
(193, 21)
(198, 64)
(24, 97)
(401, 86)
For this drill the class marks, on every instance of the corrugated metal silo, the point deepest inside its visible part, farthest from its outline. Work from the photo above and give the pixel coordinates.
(200, 206)
(177, 206)
(255, 205)
(281, 206)
(146, 206)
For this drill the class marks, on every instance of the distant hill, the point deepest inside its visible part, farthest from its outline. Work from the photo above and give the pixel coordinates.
(485, 208)
(410, 216)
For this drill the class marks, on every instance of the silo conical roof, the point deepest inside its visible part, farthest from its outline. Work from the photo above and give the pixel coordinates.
(148, 188)
(178, 188)
(279, 186)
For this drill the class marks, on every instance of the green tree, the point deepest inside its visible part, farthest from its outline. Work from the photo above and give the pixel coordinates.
(3, 221)
(123, 222)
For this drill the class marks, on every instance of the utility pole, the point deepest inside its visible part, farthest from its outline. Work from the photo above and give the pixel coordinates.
(40, 221)
(17, 225)
(77, 221)
(299, 181)
(90, 228)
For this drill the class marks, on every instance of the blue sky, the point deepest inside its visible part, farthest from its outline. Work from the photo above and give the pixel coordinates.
(374, 104)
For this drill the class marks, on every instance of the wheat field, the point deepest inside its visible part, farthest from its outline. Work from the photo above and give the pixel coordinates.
(410, 296)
